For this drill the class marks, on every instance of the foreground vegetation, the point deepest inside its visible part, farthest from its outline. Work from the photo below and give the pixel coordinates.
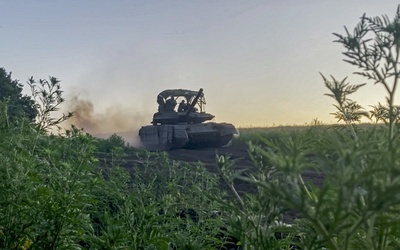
(55, 194)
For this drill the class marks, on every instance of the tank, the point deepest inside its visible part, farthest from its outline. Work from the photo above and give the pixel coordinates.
(181, 122)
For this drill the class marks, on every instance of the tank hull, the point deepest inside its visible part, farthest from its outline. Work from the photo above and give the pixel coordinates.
(201, 135)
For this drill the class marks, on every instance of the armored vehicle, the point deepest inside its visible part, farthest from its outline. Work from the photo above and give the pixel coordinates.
(184, 125)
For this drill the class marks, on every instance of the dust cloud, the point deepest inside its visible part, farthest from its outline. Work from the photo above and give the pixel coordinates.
(122, 121)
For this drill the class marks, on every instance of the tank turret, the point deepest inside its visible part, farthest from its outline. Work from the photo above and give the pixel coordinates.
(184, 125)
(186, 112)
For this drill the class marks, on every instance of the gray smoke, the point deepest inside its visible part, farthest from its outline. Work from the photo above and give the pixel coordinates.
(118, 120)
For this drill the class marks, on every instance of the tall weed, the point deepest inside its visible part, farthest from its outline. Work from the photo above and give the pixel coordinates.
(357, 205)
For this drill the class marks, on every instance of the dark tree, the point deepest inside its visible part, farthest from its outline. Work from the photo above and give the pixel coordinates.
(11, 91)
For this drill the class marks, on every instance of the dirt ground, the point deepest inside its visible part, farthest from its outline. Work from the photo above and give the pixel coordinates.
(237, 152)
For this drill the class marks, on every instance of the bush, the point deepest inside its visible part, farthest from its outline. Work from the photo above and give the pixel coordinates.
(357, 205)
(11, 92)
(111, 144)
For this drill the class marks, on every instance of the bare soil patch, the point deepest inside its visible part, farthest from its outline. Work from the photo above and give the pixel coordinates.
(239, 153)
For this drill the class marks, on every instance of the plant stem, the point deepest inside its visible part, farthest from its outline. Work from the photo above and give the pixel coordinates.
(233, 189)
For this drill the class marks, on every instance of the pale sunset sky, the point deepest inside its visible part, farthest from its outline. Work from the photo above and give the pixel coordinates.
(257, 61)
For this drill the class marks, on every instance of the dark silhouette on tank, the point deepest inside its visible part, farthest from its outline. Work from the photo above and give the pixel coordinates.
(184, 125)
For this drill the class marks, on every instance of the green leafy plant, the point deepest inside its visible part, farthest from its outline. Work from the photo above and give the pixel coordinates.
(45, 193)
(377, 57)
(140, 202)
(18, 104)
(48, 98)
(356, 205)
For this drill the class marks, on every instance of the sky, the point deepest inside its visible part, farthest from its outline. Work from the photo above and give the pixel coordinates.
(257, 61)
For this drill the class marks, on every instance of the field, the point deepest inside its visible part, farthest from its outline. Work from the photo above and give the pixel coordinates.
(281, 188)
(242, 161)
(239, 153)
(312, 187)
(315, 178)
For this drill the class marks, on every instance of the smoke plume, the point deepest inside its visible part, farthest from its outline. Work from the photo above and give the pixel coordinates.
(118, 120)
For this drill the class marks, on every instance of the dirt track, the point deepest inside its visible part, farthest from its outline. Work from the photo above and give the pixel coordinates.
(242, 160)
(239, 154)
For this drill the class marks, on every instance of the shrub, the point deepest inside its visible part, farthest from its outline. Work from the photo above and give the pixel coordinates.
(357, 205)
